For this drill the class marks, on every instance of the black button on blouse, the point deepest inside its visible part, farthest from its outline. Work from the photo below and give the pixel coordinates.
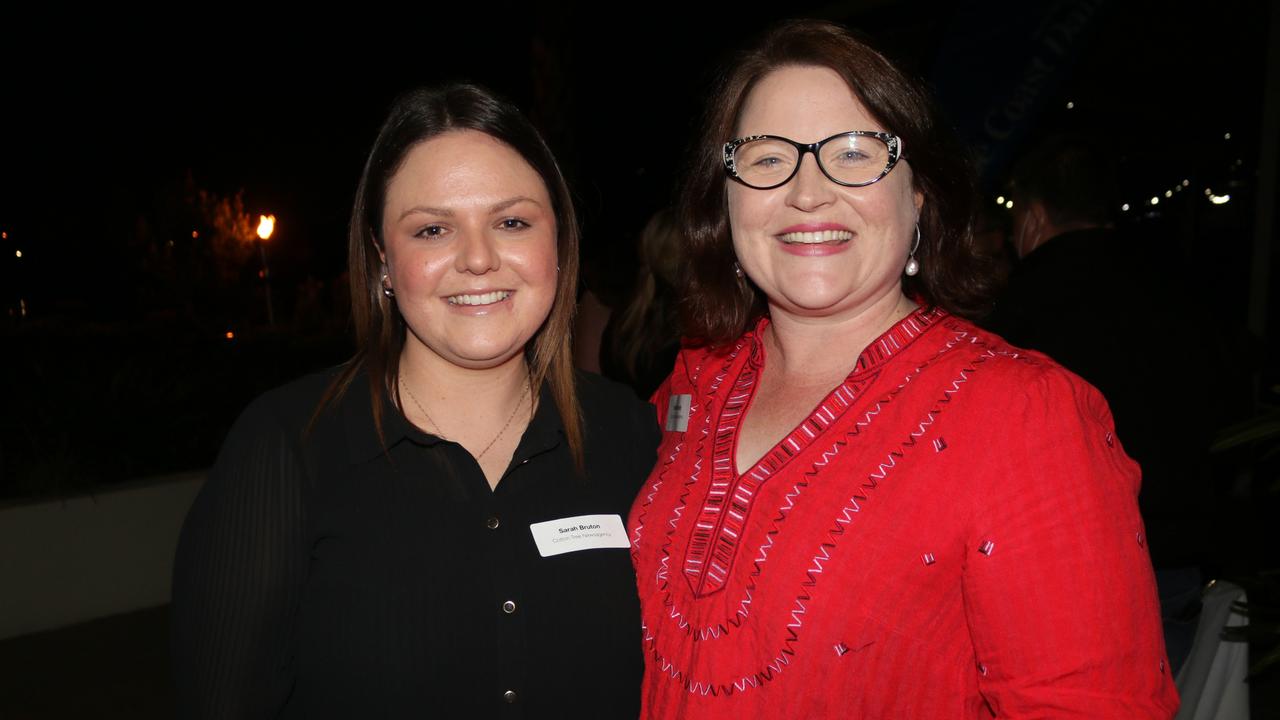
(323, 575)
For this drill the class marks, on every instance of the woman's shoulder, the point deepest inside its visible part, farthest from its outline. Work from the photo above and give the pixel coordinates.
(1020, 376)
(602, 398)
(620, 428)
(287, 409)
(695, 356)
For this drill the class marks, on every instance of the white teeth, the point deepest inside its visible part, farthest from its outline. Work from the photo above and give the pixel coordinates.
(813, 238)
(488, 298)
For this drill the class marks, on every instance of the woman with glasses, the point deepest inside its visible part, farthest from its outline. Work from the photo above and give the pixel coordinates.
(865, 506)
(434, 529)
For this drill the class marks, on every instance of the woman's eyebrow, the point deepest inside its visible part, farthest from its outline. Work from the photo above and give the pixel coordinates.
(445, 212)
(499, 207)
(423, 209)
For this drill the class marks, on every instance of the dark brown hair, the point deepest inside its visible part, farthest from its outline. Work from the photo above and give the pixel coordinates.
(648, 323)
(418, 116)
(718, 306)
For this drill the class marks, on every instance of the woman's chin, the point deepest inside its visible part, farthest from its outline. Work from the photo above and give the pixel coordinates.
(477, 355)
(833, 305)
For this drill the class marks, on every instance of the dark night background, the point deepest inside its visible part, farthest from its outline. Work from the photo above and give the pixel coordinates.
(116, 363)
(105, 151)
(109, 134)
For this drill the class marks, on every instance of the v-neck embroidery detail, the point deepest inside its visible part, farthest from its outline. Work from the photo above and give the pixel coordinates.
(718, 528)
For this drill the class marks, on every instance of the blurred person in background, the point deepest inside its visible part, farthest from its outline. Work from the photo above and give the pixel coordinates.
(1109, 308)
(641, 340)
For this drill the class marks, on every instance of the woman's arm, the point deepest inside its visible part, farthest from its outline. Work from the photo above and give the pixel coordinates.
(240, 565)
(1058, 586)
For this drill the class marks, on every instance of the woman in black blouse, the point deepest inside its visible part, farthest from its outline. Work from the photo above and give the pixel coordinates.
(433, 529)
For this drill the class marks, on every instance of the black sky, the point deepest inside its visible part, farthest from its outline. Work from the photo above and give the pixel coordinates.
(98, 123)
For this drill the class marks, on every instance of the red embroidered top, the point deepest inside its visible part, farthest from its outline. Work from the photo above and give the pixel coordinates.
(952, 533)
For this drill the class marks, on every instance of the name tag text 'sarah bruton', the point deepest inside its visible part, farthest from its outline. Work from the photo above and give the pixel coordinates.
(584, 532)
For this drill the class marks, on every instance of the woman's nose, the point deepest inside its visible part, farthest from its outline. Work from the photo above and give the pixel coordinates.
(809, 189)
(477, 254)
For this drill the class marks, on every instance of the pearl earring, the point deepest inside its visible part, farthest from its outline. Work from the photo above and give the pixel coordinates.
(913, 265)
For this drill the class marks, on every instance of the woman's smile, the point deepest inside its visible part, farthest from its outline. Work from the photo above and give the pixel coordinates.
(479, 299)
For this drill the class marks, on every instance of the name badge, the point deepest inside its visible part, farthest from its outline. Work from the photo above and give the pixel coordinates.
(678, 413)
(584, 532)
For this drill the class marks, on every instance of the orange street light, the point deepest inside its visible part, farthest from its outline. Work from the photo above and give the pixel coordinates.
(266, 223)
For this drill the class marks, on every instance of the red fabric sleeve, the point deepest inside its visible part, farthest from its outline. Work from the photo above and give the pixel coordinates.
(1059, 593)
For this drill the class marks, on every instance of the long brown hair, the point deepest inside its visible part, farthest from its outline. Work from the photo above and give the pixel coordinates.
(418, 116)
(718, 305)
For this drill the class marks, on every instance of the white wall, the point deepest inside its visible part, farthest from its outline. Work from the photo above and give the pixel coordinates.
(71, 560)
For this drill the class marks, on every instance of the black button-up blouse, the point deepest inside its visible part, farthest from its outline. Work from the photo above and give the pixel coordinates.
(322, 574)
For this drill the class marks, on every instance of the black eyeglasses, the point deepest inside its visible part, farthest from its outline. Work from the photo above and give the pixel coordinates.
(852, 159)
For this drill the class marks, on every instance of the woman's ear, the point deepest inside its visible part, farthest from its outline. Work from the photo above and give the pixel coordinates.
(1030, 225)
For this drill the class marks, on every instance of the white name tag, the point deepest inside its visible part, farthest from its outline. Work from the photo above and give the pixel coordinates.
(678, 413)
(584, 532)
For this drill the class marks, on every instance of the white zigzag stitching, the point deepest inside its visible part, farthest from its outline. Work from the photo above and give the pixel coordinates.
(796, 620)
(845, 518)
(817, 561)
(745, 681)
(882, 471)
(744, 610)
(653, 490)
(882, 468)
(663, 567)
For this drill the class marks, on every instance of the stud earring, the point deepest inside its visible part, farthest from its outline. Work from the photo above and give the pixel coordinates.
(737, 269)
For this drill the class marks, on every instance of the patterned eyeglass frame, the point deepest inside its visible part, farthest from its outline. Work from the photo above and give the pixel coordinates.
(891, 141)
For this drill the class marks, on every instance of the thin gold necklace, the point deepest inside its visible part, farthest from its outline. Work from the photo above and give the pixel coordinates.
(440, 430)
